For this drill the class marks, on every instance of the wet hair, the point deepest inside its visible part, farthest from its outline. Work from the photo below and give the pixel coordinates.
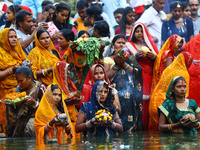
(184, 5)
(133, 37)
(174, 4)
(68, 34)
(81, 32)
(60, 7)
(50, 6)
(81, 4)
(102, 27)
(116, 37)
(40, 31)
(119, 11)
(175, 110)
(59, 105)
(123, 21)
(45, 3)
(96, 11)
(21, 15)
(25, 71)
(14, 9)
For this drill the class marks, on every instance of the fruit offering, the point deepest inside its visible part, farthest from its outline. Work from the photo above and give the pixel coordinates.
(63, 117)
(103, 115)
(14, 97)
(123, 54)
(145, 50)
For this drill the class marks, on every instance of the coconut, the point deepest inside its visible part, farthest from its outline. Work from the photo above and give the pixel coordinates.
(145, 50)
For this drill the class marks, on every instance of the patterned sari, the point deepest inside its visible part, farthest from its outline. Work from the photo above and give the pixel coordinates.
(147, 67)
(167, 51)
(167, 108)
(8, 58)
(61, 78)
(46, 111)
(193, 47)
(41, 58)
(179, 67)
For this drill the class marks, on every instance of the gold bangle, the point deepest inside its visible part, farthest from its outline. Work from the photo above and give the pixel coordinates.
(170, 127)
(45, 71)
(49, 125)
(68, 126)
(10, 71)
(198, 126)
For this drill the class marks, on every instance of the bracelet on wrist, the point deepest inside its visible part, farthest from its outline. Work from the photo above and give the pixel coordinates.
(43, 72)
(170, 127)
(198, 126)
(49, 125)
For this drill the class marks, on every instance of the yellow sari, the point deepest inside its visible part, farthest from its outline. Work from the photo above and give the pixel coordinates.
(60, 77)
(46, 111)
(179, 67)
(41, 58)
(8, 58)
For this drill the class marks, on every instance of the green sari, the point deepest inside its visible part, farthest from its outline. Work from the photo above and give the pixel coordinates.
(167, 108)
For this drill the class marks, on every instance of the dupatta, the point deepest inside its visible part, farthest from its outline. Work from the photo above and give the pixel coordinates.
(46, 111)
(161, 59)
(179, 67)
(61, 78)
(41, 58)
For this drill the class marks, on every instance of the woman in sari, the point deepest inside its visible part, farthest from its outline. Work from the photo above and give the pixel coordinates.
(96, 73)
(11, 57)
(179, 67)
(179, 114)
(47, 125)
(138, 39)
(101, 98)
(43, 57)
(20, 118)
(166, 57)
(70, 94)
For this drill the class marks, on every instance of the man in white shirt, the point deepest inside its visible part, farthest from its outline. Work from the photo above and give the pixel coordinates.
(152, 19)
(194, 4)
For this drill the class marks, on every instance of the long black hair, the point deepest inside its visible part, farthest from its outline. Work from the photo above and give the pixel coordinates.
(96, 11)
(59, 8)
(14, 9)
(123, 21)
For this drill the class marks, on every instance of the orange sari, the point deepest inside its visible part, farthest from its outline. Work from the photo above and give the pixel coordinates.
(46, 111)
(8, 58)
(41, 58)
(60, 77)
(179, 67)
(160, 63)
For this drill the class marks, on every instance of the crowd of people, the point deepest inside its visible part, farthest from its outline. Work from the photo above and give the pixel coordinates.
(147, 79)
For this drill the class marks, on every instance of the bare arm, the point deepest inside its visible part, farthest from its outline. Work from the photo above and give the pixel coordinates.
(117, 124)
(8, 71)
(44, 72)
(117, 103)
(80, 122)
(168, 62)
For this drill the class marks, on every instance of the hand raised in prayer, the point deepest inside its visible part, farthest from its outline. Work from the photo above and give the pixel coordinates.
(119, 60)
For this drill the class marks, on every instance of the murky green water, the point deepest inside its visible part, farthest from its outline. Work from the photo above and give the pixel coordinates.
(139, 140)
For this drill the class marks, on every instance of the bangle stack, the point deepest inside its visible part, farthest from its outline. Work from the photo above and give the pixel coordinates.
(170, 127)
(127, 66)
(44, 72)
(198, 126)
(10, 71)
(49, 125)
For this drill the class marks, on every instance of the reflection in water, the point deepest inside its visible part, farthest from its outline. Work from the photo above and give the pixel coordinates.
(136, 140)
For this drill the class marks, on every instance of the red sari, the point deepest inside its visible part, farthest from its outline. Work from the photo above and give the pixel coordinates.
(193, 47)
(88, 84)
(147, 69)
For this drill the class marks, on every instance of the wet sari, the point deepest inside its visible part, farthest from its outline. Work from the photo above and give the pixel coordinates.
(91, 107)
(46, 111)
(130, 91)
(147, 67)
(41, 58)
(8, 58)
(167, 108)
(193, 47)
(179, 67)
(167, 51)
(89, 83)
(61, 78)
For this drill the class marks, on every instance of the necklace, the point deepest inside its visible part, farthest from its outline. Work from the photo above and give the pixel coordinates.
(178, 21)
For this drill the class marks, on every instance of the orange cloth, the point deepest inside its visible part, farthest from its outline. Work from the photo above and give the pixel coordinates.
(61, 78)
(8, 58)
(179, 67)
(41, 58)
(81, 25)
(46, 111)
(160, 62)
